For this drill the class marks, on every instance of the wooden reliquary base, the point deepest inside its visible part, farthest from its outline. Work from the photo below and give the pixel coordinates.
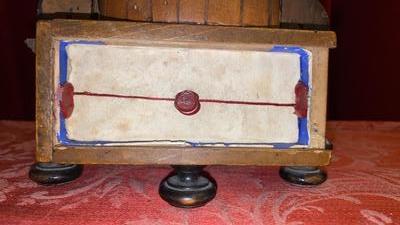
(182, 95)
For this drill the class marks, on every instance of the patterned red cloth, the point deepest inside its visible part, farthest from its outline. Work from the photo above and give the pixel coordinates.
(363, 187)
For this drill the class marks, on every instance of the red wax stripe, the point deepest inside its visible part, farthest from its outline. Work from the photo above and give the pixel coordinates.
(246, 103)
(173, 99)
(123, 96)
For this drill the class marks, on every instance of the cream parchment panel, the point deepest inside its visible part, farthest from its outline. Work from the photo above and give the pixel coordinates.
(254, 76)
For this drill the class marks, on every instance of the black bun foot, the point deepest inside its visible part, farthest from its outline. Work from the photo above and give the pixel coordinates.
(188, 187)
(303, 175)
(54, 173)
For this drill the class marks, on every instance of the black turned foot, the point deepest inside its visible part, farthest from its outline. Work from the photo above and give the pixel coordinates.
(303, 175)
(54, 173)
(188, 187)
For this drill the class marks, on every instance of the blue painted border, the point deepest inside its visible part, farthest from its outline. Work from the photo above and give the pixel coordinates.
(62, 135)
(305, 78)
(302, 122)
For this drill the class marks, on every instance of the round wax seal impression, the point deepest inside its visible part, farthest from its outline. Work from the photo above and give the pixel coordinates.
(187, 102)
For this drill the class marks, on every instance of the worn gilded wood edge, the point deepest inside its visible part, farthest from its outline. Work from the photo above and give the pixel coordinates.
(191, 156)
(319, 97)
(103, 30)
(44, 92)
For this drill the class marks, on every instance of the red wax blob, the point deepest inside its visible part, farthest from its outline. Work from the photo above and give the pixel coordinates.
(67, 100)
(301, 107)
(187, 102)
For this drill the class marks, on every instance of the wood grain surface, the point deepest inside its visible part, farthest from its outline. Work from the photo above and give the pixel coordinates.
(44, 92)
(191, 156)
(235, 37)
(192, 11)
(212, 12)
(71, 6)
(139, 10)
(304, 12)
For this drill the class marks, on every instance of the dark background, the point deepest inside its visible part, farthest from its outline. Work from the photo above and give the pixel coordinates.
(364, 76)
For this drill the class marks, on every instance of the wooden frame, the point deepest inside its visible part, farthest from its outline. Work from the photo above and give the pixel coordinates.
(51, 32)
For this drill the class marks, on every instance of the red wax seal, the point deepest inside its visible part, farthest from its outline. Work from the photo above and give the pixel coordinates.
(301, 91)
(66, 99)
(187, 102)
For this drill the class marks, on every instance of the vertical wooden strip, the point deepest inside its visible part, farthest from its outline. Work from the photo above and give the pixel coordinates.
(318, 97)
(139, 10)
(151, 9)
(178, 2)
(255, 12)
(44, 92)
(224, 12)
(102, 7)
(192, 11)
(241, 12)
(274, 13)
(304, 12)
(206, 11)
(165, 11)
(114, 8)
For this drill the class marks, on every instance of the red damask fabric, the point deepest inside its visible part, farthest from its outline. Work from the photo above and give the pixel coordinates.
(363, 187)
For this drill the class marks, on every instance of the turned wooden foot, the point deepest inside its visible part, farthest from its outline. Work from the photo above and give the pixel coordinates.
(188, 187)
(303, 175)
(54, 173)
